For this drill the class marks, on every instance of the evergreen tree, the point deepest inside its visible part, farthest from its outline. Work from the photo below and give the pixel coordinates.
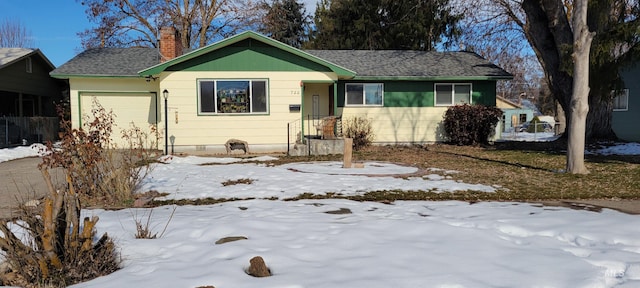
(286, 21)
(383, 24)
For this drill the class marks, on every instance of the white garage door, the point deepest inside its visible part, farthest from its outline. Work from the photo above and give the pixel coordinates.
(137, 109)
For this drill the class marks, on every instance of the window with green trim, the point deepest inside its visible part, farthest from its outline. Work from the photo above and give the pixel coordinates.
(232, 97)
(452, 94)
(364, 94)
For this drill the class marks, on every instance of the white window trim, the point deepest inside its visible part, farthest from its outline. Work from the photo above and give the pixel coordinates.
(215, 96)
(346, 104)
(453, 90)
(626, 104)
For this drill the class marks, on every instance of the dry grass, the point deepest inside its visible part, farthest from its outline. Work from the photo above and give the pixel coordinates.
(533, 173)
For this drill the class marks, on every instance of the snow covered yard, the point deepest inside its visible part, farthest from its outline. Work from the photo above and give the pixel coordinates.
(405, 244)
(342, 243)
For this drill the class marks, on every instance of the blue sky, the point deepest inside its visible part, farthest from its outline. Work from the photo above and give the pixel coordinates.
(54, 25)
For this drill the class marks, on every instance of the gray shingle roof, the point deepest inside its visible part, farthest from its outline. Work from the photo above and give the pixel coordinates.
(406, 63)
(366, 63)
(109, 62)
(8, 56)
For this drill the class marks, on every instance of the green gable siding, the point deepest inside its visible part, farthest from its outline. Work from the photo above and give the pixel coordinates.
(484, 93)
(248, 55)
(420, 93)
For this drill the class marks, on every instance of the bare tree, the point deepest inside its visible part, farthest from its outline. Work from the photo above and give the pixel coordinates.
(582, 39)
(545, 28)
(126, 23)
(13, 34)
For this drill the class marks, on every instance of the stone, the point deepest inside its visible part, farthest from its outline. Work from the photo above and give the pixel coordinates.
(340, 211)
(258, 268)
(235, 144)
(230, 239)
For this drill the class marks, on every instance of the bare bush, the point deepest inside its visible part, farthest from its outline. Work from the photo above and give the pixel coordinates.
(102, 171)
(360, 130)
(48, 245)
(144, 230)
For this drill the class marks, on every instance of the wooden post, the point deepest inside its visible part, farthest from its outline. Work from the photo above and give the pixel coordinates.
(348, 149)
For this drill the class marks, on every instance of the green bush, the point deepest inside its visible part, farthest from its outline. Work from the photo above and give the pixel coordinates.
(537, 126)
(360, 130)
(471, 124)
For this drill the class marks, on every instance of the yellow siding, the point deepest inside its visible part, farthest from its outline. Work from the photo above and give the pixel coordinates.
(502, 104)
(322, 90)
(398, 125)
(187, 128)
(131, 100)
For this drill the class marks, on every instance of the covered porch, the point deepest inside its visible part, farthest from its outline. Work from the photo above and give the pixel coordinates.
(319, 129)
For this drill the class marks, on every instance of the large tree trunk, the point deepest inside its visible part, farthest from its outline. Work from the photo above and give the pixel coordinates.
(599, 119)
(549, 33)
(580, 99)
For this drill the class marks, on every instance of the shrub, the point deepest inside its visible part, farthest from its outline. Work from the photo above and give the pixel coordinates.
(537, 126)
(360, 130)
(471, 124)
(101, 171)
(48, 245)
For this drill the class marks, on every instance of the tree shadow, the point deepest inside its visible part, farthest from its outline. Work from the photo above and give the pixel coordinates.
(559, 147)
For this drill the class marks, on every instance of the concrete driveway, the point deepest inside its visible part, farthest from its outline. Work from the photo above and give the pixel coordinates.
(21, 181)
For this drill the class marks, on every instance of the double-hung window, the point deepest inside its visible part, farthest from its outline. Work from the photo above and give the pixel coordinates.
(364, 94)
(452, 94)
(621, 101)
(232, 96)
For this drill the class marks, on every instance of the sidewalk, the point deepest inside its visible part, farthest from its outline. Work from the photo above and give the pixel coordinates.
(21, 181)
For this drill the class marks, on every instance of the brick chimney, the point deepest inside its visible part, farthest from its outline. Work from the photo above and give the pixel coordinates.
(170, 44)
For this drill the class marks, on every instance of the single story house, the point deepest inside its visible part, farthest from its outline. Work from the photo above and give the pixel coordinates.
(253, 88)
(514, 114)
(626, 106)
(27, 97)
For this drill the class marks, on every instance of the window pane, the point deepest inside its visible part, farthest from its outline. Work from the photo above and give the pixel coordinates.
(373, 94)
(620, 102)
(462, 95)
(259, 96)
(523, 118)
(206, 97)
(443, 94)
(233, 96)
(354, 94)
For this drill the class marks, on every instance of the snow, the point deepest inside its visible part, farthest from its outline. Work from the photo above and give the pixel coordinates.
(405, 244)
(620, 149)
(402, 244)
(21, 152)
(529, 137)
(187, 178)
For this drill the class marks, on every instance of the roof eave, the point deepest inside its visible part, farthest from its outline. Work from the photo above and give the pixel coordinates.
(68, 76)
(433, 78)
(33, 52)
